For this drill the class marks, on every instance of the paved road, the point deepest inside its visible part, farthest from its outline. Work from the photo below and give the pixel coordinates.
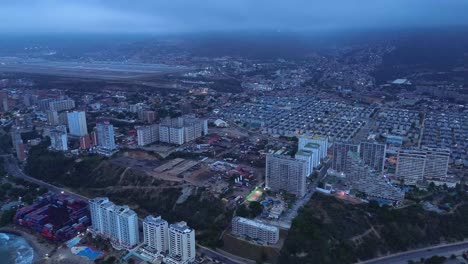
(12, 168)
(218, 256)
(404, 257)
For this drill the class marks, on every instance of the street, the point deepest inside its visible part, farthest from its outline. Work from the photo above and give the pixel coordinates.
(12, 168)
(403, 258)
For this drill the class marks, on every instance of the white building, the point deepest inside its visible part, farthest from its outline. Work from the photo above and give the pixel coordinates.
(105, 134)
(77, 123)
(61, 105)
(410, 165)
(58, 140)
(286, 173)
(314, 150)
(182, 129)
(322, 141)
(308, 157)
(155, 234)
(181, 244)
(119, 223)
(255, 230)
(147, 134)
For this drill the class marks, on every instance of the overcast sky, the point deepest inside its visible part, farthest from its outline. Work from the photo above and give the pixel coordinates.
(167, 16)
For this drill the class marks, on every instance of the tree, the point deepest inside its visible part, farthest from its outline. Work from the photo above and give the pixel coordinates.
(255, 208)
(7, 217)
(242, 211)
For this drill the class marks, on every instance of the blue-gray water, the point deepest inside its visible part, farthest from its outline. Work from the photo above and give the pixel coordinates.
(15, 250)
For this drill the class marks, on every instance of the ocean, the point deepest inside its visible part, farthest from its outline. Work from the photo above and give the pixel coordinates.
(15, 250)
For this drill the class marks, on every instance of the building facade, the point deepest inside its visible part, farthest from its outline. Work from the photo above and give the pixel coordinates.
(286, 173)
(410, 165)
(156, 234)
(255, 230)
(373, 154)
(437, 160)
(181, 244)
(118, 223)
(105, 134)
(58, 140)
(340, 155)
(182, 129)
(147, 134)
(77, 123)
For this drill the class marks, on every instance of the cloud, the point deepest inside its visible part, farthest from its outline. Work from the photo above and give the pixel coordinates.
(163, 16)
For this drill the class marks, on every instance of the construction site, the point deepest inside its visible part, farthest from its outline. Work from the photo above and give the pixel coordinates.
(56, 217)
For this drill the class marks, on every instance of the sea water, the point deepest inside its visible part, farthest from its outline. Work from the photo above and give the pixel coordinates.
(15, 250)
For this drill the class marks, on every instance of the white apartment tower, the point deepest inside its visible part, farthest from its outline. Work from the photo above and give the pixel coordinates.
(119, 223)
(105, 134)
(181, 243)
(155, 233)
(322, 141)
(77, 123)
(58, 140)
(308, 157)
(147, 134)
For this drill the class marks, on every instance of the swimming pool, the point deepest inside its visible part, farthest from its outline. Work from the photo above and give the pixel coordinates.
(73, 242)
(89, 253)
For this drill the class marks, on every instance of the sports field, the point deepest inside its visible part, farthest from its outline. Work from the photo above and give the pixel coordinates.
(255, 195)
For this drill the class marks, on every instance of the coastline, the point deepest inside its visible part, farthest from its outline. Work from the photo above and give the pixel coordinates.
(40, 249)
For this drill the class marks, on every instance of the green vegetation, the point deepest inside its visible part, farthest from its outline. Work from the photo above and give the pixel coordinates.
(5, 143)
(94, 176)
(253, 210)
(7, 217)
(256, 208)
(56, 168)
(328, 230)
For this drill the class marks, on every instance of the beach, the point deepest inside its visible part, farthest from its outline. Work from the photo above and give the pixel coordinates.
(56, 253)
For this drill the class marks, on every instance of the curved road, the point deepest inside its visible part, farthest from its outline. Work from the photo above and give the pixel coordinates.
(403, 257)
(12, 168)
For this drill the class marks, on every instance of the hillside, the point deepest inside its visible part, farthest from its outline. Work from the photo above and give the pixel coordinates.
(95, 176)
(328, 230)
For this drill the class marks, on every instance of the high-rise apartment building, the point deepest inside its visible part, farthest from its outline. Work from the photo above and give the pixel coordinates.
(77, 123)
(105, 134)
(373, 154)
(417, 165)
(286, 173)
(18, 144)
(340, 155)
(119, 223)
(61, 105)
(322, 141)
(147, 134)
(58, 140)
(437, 160)
(52, 117)
(410, 165)
(155, 234)
(308, 157)
(182, 129)
(181, 244)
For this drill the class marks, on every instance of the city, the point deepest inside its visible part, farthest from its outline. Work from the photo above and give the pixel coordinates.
(238, 148)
